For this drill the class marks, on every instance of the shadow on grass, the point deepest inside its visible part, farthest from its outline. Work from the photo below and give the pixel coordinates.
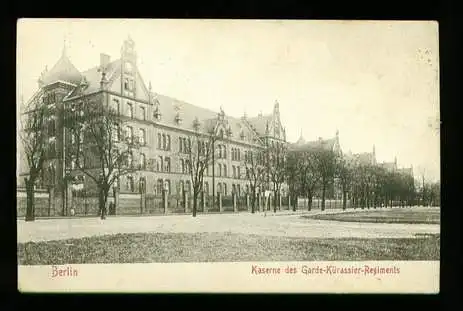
(221, 247)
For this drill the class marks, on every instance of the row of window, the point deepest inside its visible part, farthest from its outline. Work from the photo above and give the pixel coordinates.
(221, 151)
(184, 145)
(130, 109)
(236, 154)
(164, 141)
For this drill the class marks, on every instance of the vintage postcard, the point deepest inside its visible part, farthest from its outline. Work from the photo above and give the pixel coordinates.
(235, 156)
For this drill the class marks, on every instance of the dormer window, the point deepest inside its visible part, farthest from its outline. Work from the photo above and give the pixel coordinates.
(242, 136)
(178, 119)
(157, 114)
(196, 124)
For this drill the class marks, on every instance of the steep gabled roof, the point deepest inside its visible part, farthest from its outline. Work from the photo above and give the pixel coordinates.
(259, 123)
(63, 70)
(169, 107)
(93, 76)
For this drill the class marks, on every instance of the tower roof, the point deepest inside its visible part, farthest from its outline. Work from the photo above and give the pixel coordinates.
(63, 70)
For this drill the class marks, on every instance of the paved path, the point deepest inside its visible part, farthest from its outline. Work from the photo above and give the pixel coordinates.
(281, 224)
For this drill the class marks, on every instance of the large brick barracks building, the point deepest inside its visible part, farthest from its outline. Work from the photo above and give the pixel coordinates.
(161, 123)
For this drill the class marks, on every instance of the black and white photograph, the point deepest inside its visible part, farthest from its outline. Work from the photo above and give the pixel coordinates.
(301, 153)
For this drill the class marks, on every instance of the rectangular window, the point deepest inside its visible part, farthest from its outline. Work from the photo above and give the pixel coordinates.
(238, 172)
(142, 137)
(130, 110)
(115, 106)
(129, 159)
(126, 84)
(115, 133)
(234, 171)
(129, 134)
(142, 113)
(142, 161)
(167, 160)
(168, 142)
(180, 144)
(159, 141)
(167, 186)
(160, 164)
(224, 170)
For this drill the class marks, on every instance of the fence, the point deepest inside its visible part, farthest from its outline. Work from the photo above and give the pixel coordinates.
(49, 205)
(43, 207)
(317, 203)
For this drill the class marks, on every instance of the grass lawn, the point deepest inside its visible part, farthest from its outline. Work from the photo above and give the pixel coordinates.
(407, 216)
(221, 247)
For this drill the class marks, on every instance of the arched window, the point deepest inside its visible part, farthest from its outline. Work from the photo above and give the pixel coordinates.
(188, 186)
(181, 186)
(164, 142)
(224, 189)
(233, 189)
(225, 170)
(168, 186)
(159, 187)
(219, 187)
(142, 184)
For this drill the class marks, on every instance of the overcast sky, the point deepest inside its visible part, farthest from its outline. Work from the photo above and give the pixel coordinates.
(376, 82)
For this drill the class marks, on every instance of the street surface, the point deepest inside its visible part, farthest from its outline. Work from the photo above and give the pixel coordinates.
(284, 223)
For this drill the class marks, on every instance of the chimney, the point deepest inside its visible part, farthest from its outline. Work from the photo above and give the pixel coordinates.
(104, 60)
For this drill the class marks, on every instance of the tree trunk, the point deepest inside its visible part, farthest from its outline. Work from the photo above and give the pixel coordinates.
(102, 202)
(30, 210)
(195, 202)
(344, 200)
(253, 202)
(275, 194)
(323, 196)
(309, 199)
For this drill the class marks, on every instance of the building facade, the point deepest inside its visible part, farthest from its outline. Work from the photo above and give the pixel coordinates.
(161, 124)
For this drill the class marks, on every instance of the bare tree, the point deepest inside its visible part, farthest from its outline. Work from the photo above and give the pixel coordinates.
(293, 174)
(95, 146)
(276, 168)
(200, 151)
(344, 172)
(309, 176)
(255, 173)
(326, 166)
(36, 123)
